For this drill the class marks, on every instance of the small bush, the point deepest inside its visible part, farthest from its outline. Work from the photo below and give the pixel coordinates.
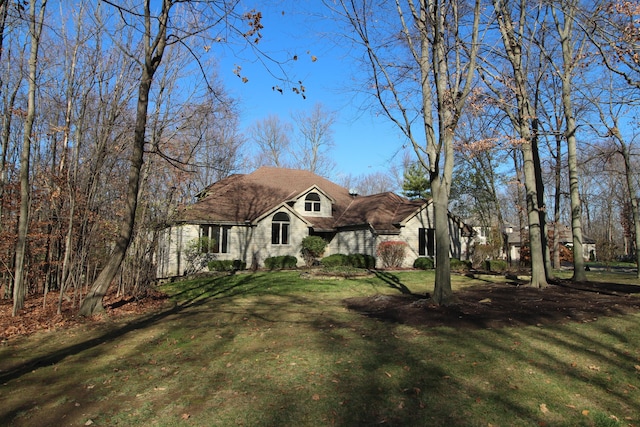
(351, 260)
(281, 262)
(460, 266)
(361, 261)
(312, 248)
(423, 263)
(227, 265)
(335, 260)
(497, 265)
(391, 253)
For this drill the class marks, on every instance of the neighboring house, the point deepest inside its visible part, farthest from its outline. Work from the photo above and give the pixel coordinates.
(565, 236)
(267, 213)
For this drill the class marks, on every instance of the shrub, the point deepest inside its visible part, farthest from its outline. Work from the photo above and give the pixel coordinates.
(391, 253)
(351, 260)
(335, 260)
(312, 248)
(361, 261)
(460, 266)
(497, 265)
(423, 263)
(227, 265)
(280, 262)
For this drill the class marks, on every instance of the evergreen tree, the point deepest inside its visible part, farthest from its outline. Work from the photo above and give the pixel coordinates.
(415, 183)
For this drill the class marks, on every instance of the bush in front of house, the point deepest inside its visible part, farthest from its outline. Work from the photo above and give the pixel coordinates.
(391, 253)
(423, 263)
(281, 262)
(312, 248)
(361, 261)
(351, 260)
(459, 265)
(497, 265)
(335, 260)
(227, 265)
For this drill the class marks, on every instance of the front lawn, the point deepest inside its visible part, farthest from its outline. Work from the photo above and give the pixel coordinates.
(282, 348)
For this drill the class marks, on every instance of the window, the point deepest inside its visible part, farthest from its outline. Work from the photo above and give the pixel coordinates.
(214, 239)
(280, 229)
(312, 202)
(426, 241)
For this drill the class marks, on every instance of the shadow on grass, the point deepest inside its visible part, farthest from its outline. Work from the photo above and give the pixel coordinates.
(201, 292)
(393, 281)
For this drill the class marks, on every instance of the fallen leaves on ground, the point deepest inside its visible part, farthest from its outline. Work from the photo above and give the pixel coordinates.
(40, 314)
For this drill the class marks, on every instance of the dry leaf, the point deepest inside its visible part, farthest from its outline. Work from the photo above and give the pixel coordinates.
(585, 412)
(544, 409)
(315, 397)
(185, 416)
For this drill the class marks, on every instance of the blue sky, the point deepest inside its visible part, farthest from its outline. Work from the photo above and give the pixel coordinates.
(364, 143)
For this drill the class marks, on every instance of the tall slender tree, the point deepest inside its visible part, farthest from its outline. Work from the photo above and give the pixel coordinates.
(36, 21)
(423, 51)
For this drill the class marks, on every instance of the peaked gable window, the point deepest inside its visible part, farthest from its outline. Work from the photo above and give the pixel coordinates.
(280, 229)
(312, 202)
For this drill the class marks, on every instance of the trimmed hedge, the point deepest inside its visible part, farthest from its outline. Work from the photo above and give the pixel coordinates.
(281, 262)
(335, 260)
(423, 263)
(352, 260)
(460, 266)
(497, 265)
(227, 265)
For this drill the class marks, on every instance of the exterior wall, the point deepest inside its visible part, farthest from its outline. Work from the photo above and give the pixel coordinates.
(360, 241)
(261, 248)
(325, 206)
(171, 243)
(410, 235)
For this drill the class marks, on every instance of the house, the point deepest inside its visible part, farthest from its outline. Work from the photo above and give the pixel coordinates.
(267, 213)
(565, 238)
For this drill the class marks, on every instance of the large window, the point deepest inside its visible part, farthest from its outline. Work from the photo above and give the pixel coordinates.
(426, 242)
(280, 229)
(214, 239)
(312, 202)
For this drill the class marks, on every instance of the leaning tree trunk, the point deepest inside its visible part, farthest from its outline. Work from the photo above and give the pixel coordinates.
(92, 303)
(154, 50)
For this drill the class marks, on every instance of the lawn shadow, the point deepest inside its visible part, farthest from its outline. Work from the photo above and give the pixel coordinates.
(393, 281)
(202, 297)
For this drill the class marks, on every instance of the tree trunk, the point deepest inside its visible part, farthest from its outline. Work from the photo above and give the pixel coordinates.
(565, 29)
(92, 304)
(35, 28)
(442, 292)
(521, 121)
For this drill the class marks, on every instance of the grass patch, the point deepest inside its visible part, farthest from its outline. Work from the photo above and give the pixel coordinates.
(276, 348)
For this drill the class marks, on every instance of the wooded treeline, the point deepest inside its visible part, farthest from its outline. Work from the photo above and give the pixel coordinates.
(112, 114)
(86, 87)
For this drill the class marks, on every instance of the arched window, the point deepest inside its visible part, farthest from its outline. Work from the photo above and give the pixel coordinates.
(280, 229)
(312, 202)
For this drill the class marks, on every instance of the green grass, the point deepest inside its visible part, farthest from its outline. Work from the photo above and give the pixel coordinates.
(271, 349)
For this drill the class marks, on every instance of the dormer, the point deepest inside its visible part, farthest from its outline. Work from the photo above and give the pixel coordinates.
(314, 202)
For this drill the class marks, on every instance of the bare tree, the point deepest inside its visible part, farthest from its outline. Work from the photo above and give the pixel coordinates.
(522, 117)
(36, 21)
(421, 51)
(564, 17)
(272, 136)
(316, 139)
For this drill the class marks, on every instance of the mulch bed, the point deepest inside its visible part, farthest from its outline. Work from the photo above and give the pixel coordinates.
(500, 305)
